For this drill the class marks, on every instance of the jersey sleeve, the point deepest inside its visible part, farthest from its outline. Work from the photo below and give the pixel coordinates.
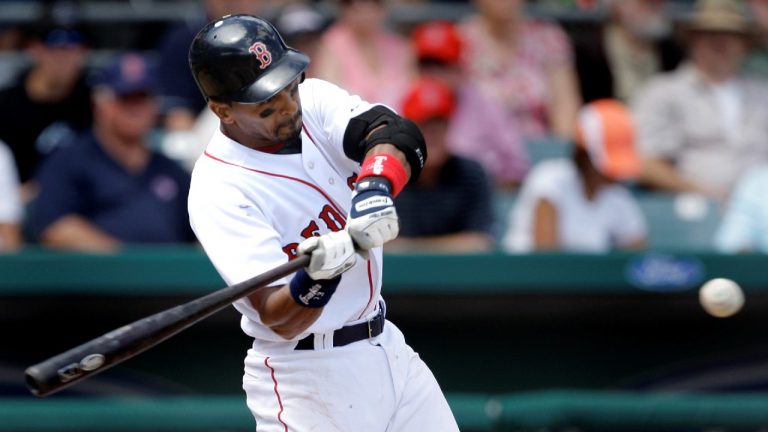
(236, 235)
(328, 108)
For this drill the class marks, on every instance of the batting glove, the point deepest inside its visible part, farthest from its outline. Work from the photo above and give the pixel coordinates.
(373, 220)
(331, 255)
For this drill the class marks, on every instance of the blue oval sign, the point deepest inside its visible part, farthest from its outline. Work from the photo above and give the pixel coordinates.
(662, 272)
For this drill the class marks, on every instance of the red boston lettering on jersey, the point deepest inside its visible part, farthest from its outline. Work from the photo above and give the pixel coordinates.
(311, 230)
(333, 220)
(292, 250)
(262, 53)
(351, 181)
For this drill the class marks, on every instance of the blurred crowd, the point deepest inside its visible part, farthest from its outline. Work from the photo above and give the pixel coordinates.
(570, 123)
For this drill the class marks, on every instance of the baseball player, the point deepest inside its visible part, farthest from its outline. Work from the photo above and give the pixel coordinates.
(303, 167)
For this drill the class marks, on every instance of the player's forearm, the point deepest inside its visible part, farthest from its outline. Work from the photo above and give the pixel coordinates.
(280, 312)
(76, 233)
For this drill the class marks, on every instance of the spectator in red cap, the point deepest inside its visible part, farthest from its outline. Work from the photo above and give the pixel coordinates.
(479, 129)
(449, 208)
(577, 204)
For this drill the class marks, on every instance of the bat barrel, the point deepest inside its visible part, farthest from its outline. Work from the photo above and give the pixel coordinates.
(65, 369)
(99, 354)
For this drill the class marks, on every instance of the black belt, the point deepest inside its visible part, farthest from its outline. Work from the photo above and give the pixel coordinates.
(353, 333)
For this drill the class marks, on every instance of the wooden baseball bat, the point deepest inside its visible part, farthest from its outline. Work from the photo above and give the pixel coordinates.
(90, 358)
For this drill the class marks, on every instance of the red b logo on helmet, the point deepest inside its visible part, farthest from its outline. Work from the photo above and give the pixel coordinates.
(262, 53)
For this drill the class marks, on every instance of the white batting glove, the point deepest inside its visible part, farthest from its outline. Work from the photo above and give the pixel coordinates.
(372, 220)
(331, 254)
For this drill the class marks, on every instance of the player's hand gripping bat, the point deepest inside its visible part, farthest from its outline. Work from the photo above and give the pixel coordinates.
(99, 354)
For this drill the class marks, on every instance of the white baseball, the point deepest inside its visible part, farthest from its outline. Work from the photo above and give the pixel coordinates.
(721, 297)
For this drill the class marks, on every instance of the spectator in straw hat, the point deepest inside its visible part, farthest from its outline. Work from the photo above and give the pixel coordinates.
(577, 204)
(703, 124)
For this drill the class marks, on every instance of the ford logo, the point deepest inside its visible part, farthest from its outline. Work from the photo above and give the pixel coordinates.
(661, 272)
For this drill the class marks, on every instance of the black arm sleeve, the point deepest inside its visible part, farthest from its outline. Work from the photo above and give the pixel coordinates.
(398, 131)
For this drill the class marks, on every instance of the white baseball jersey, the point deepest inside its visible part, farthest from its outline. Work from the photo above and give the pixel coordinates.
(250, 210)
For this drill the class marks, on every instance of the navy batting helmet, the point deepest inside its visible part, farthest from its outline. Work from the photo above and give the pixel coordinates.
(242, 58)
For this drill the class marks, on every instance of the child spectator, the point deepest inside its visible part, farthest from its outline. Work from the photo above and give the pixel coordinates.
(577, 204)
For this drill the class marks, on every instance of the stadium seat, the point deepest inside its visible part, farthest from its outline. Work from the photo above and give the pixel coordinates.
(679, 222)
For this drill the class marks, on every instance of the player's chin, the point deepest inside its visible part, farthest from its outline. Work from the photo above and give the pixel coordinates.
(289, 130)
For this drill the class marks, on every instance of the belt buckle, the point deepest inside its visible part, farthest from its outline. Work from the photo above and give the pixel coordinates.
(375, 320)
(370, 328)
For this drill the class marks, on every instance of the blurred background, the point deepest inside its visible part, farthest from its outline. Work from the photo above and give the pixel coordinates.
(592, 164)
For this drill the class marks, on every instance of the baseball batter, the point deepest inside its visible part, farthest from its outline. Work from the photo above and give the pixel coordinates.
(302, 167)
